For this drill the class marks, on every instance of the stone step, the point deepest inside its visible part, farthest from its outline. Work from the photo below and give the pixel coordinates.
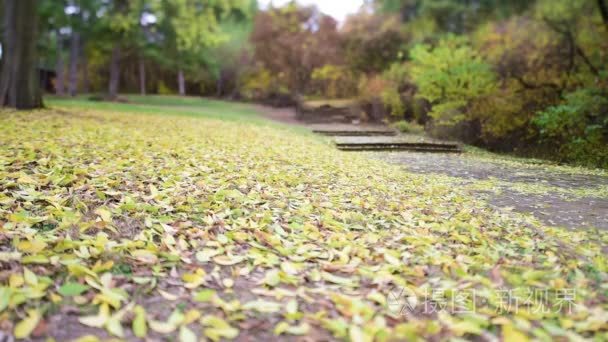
(397, 143)
(361, 133)
(400, 147)
(352, 130)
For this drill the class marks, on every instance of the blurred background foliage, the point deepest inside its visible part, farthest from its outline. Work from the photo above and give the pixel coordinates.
(523, 76)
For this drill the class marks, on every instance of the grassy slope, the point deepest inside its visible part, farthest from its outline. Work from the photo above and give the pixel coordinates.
(164, 106)
(220, 228)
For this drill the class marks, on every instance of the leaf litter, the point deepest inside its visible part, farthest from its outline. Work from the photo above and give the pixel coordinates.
(188, 228)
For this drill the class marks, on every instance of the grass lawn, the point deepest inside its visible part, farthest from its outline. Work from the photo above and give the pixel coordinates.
(165, 105)
(117, 223)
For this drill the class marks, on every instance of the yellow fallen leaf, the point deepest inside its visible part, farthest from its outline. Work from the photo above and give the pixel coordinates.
(228, 283)
(102, 266)
(284, 327)
(289, 268)
(114, 327)
(99, 320)
(206, 254)
(104, 214)
(26, 179)
(339, 280)
(15, 281)
(272, 278)
(32, 246)
(356, 334)
(87, 338)
(225, 260)
(35, 259)
(30, 277)
(24, 328)
(263, 306)
(145, 256)
(80, 271)
(194, 280)
(162, 327)
(191, 316)
(512, 334)
(187, 335)
(167, 295)
(140, 328)
(9, 256)
(218, 328)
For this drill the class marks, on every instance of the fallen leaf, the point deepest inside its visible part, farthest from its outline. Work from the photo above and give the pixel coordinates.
(72, 289)
(24, 328)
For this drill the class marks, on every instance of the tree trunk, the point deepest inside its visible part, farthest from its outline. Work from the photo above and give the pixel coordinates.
(220, 84)
(114, 73)
(86, 85)
(74, 54)
(603, 11)
(20, 79)
(181, 82)
(59, 69)
(142, 76)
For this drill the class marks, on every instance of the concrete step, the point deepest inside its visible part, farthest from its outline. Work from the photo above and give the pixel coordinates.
(361, 133)
(400, 147)
(351, 130)
(396, 143)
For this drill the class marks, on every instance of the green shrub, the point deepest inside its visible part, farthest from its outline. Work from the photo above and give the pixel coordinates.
(334, 81)
(163, 89)
(579, 127)
(451, 76)
(386, 88)
(397, 74)
(408, 127)
(395, 79)
(392, 100)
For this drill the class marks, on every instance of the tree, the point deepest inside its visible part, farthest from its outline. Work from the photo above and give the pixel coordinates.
(190, 28)
(19, 81)
(334, 81)
(66, 29)
(80, 18)
(455, 16)
(55, 33)
(372, 41)
(230, 58)
(451, 76)
(146, 41)
(292, 41)
(121, 24)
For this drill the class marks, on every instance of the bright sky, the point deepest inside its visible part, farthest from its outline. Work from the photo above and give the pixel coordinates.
(338, 9)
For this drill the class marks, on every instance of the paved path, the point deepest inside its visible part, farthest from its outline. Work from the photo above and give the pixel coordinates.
(285, 115)
(558, 197)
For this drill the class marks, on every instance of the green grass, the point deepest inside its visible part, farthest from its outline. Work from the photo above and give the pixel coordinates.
(187, 106)
(165, 105)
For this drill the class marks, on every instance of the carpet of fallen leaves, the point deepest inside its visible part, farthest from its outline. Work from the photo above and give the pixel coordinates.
(131, 226)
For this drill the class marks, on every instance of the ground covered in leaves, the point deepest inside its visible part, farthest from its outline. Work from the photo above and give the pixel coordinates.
(117, 225)
(569, 197)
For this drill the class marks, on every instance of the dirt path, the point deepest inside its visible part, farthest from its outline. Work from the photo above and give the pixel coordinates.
(283, 115)
(557, 197)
